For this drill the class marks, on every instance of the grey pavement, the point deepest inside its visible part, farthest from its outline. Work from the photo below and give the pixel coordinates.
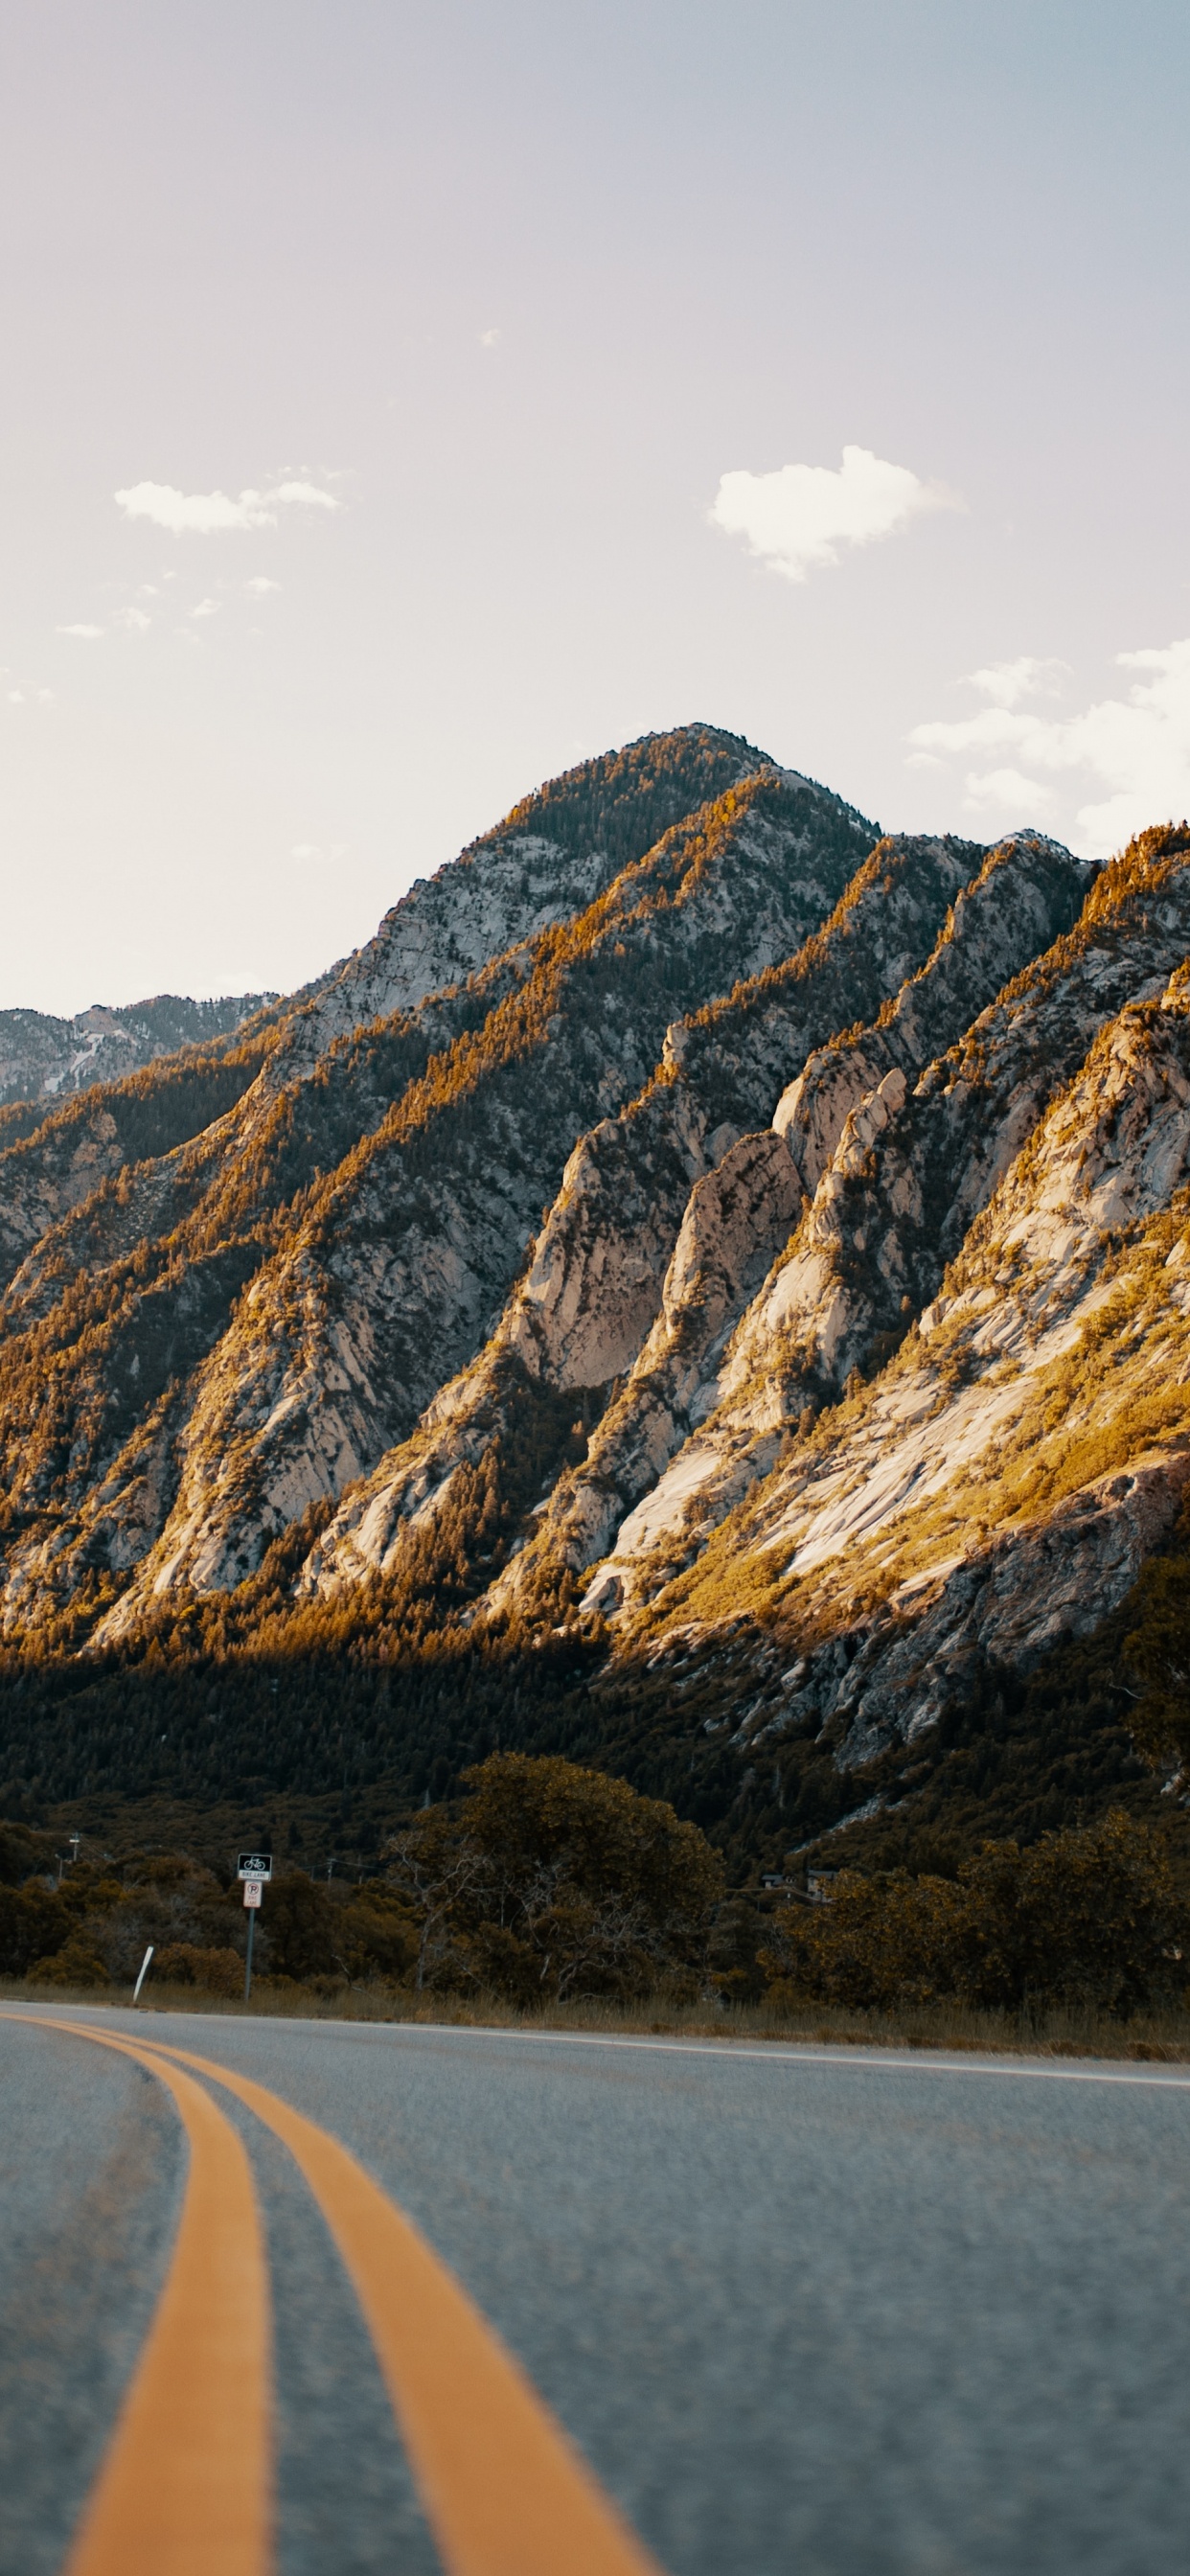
(804, 2311)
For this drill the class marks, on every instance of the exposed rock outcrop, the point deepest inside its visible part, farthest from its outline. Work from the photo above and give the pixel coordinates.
(580, 1316)
(999, 1484)
(404, 1255)
(911, 1172)
(695, 1227)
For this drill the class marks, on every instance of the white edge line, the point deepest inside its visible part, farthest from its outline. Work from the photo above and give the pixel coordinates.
(727, 2052)
(721, 2051)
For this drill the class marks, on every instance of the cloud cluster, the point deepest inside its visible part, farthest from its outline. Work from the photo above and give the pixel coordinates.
(1136, 746)
(796, 519)
(208, 514)
(1005, 683)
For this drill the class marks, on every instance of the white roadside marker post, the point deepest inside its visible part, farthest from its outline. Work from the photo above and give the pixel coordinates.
(253, 1868)
(144, 1970)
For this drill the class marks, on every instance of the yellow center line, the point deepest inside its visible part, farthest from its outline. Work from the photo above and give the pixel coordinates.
(504, 2490)
(185, 2488)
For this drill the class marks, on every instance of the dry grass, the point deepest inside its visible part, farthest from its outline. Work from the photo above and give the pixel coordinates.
(1150, 2037)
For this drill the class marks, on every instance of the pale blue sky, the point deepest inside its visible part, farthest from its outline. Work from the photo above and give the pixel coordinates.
(517, 285)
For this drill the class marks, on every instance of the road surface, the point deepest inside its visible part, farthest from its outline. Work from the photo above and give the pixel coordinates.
(635, 2305)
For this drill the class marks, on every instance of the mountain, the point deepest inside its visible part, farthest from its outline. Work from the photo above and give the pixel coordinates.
(703, 1288)
(42, 1058)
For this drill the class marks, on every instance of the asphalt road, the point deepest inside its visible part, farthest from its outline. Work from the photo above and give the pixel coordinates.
(804, 2313)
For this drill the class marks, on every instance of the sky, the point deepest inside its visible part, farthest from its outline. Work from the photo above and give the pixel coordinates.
(404, 404)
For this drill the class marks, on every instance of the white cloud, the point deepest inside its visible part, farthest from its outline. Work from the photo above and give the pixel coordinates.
(1005, 789)
(259, 584)
(212, 513)
(1136, 747)
(488, 339)
(206, 608)
(1007, 682)
(89, 634)
(16, 697)
(796, 519)
(136, 619)
(305, 496)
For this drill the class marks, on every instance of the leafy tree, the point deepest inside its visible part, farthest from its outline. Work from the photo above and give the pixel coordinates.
(555, 1881)
(34, 1924)
(435, 1868)
(1091, 1917)
(1158, 1651)
(375, 1935)
(298, 1921)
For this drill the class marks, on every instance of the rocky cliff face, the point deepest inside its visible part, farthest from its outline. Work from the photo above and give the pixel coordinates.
(406, 1253)
(216, 1334)
(997, 1486)
(695, 1224)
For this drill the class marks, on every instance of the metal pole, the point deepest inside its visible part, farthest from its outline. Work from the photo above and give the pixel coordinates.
(143, 1972)
(248, 1960)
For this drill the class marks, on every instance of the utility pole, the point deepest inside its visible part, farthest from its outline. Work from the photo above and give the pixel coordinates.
(74, 1840)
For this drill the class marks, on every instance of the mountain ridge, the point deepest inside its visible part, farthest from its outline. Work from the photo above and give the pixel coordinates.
(655, 1256)
(43, 1058)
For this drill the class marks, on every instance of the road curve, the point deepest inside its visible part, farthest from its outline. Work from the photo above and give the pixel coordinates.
(587, 2306)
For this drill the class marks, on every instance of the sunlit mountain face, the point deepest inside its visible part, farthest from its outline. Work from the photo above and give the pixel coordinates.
(701, 1290)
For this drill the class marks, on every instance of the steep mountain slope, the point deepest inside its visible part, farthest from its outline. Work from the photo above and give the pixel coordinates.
(550, 857)
(129, 1368)
(471, 919)
(911, 1171)
(42, 1058)
(706, 1285)
(597, 1280)
(997, 1488)
(405, 1254)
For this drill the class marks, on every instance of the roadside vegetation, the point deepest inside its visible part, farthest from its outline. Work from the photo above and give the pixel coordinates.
(558, 1897)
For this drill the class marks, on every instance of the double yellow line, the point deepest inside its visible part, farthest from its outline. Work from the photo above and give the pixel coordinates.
(186, 2487)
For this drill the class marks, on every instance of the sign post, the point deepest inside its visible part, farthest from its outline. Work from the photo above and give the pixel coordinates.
(253, 1868)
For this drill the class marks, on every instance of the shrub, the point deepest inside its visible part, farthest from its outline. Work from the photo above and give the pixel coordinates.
(184, 1963)
(74, 1965)
(1088, 1917)
(34, 1924)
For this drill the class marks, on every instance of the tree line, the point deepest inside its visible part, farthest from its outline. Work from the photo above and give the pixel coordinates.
(544, 1883)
